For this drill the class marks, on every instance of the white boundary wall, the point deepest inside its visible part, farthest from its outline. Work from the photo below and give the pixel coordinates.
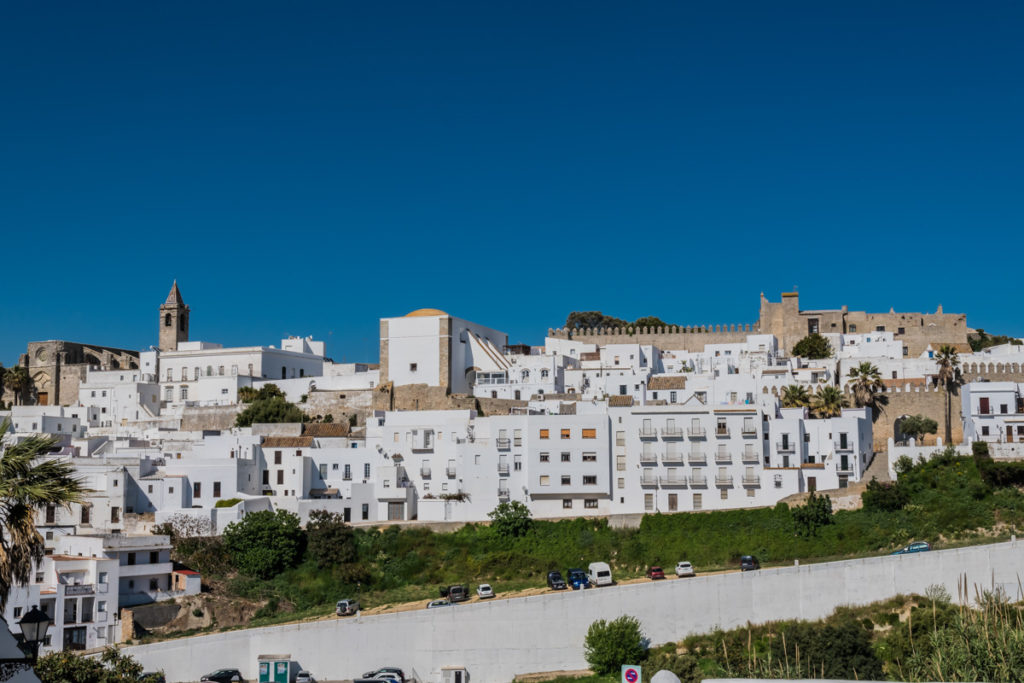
(498, 639)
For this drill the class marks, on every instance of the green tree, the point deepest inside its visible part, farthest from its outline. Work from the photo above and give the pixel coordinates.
(884, 496)
(948, 361)
(263, 544)
(511, 519)
(18, 381)
(981, 340)
(650, 321)
(828, 401)
(67, 667)
(916, 426)
(28, 483)
(795, 396)
(610, 644)
(592, 319)
(813, 346)
(685, 666)
(274, 409)
(868, 389)
(329, 540)
(814, 515)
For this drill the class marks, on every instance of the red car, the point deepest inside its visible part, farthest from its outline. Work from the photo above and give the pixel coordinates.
(655, 573)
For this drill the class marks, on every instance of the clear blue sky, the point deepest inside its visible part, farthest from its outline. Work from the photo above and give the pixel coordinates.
(306, 168)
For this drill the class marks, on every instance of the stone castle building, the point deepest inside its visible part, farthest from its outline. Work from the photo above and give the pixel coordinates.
(57, 367)
(790, 324)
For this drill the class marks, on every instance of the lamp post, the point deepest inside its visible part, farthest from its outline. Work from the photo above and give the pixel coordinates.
(34, 626)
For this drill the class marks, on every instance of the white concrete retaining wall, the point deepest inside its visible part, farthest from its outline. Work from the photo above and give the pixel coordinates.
(501, 638)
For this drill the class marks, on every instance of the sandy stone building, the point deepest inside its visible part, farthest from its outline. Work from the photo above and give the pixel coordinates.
(57, 367)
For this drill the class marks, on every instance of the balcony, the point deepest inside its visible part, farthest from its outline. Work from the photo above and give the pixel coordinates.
(502, 468)
(723, 458)
(723, 480)
(785, 447)
(649, 458)
(698, 479)
(848, 448)
(696, 432)
(648, 478)
(751, 480)
(450, 471)
(135, 570)
(503, 443)
(648, 433)
(749, 430)
(672, 457)
(503, 495)
(672, 433)
(697, 459)
(722, 432)
(424, 473)
(751, 457)
(673, 479)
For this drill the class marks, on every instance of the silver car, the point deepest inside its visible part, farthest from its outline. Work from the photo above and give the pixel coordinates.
(684, 569)
(484, 590)
(304, 677)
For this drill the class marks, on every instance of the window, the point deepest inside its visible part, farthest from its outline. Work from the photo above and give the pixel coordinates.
(853, 329)
(590, 503)
(169, 393)
(101, 606)
(566, 434)
(183, 394)
(131, 559)
(545, 457)
(724, 493)
(620, 438)
(698, 501)
(216, 489)
(566, 457)
(984, 431)
(17, 612)
(154, 556)
(323, 470)
(115, 515)
(544, 434)
(277, 457)
(750, 493)
(170, 374)
(197, 489)
(589, 433)
(590, 457)
(348, 472)
(86, 511)
(566, 480)
(567, 503)
(673, 502)
(51, 514)
(517, 463)
(412, 367)
(620, 462)
(621, 483)
(545, 480)
(648, 501)
(590, 480)
(280, 477)
(880, 328)
(622, 390)
(812, 326)
(366, 470)
(517, 437)
(671, 397)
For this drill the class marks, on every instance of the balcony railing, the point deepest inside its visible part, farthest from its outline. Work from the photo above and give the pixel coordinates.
(848, 448)
(648, 478)
(648, 458)
(697, 459)
(751, 480)
(751, 457)
(648, 433)
(504, 443)
(698, 479)
(749, 430)
(721, 431)
(450, 471)
(723, 458)
(503, 495)
(723, 480)
(672, 433)
(696, 432)
(673, 480)
(784, 447)
(672, 456)
(502, 468)
(424, 472)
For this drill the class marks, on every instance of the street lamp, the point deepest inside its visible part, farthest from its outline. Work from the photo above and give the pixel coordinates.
(34, 626)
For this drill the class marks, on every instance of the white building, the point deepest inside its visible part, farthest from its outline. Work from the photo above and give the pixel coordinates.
(993, 412)
(824, 453)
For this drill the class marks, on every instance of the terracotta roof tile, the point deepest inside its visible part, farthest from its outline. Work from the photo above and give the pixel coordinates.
(288, 442)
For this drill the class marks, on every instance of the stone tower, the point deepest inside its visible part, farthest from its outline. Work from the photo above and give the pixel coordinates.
(173, 320)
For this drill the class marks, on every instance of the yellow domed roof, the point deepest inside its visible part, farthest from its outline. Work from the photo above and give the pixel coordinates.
(425, 312)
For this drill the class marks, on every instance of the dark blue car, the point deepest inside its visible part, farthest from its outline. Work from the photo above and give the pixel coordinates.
(915, 547)
(578, 579)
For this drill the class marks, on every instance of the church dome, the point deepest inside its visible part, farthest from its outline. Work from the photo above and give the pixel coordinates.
(425, 313)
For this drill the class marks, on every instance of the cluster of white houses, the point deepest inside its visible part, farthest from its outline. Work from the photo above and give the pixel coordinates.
(587, 429)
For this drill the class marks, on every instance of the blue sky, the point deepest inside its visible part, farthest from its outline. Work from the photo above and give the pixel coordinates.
(306, 168)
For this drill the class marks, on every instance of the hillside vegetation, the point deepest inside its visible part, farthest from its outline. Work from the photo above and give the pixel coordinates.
(947, 500)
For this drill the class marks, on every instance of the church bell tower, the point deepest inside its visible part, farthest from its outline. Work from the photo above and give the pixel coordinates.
(173, 320)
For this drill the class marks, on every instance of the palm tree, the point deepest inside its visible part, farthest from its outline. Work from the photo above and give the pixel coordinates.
(868, 388)
(829, 401)
(948, 361)
(795, 396)
(18, 381)
(28, 484)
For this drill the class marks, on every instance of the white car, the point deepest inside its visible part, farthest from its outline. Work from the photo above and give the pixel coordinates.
(684, 569)
(484, 590)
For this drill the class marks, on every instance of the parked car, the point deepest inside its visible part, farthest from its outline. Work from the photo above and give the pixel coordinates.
(458, 593)
(577, 578)
(685, 569)
(304, 677)
(223, 676)
(749, 563)
(346, 608)
(484, 591)
(555, 581)
(439, 603)
(386, 672)
(600, 574)
(152, 677)
(655, 573)
(915, 547)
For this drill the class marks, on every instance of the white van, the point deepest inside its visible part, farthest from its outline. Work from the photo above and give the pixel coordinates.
(600, 574)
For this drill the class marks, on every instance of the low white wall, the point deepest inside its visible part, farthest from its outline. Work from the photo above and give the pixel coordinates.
(499, 639)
